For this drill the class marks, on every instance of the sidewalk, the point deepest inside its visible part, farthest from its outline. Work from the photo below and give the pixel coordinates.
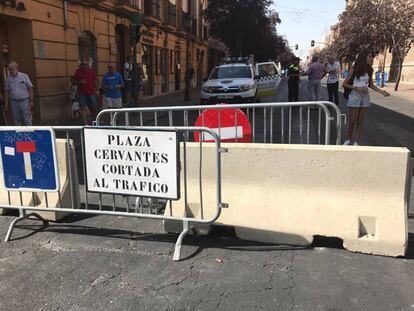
(173, 99)
(401, 101)
(170, 99)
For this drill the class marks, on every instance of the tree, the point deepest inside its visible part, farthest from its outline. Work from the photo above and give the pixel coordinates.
(361, 26)
(376, 25)
(246, 27)
(400, 33)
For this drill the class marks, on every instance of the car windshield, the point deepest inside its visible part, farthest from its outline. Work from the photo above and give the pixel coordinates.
(231, 72)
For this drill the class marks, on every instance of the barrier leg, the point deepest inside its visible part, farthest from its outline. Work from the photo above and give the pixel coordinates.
(22, 216)
(179, 242)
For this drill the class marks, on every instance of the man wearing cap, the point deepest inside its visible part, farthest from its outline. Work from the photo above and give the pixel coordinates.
(19, 95)
(112, 83)
(294, 79)
(85, 77)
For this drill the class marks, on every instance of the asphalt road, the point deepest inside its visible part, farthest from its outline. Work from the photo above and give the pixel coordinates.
(114, 263)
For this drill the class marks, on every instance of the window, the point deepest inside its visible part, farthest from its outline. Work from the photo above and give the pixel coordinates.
(193, 8)
(184, 17)
(172, 62)
(134, 3)
(266, 70)
(172, 15)
(193, 29)
(87, 49)
(231, 72)
(153, 8)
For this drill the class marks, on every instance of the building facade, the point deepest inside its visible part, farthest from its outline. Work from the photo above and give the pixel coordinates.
(49, 38)
(389, 64)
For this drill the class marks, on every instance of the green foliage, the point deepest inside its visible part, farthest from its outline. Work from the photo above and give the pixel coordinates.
(247, 27)
(375, 24)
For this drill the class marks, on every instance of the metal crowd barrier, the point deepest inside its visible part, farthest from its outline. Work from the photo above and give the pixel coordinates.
(293, 122)
(121, 205)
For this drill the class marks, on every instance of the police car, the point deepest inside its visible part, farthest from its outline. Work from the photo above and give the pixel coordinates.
(236, 83)
(269, 79)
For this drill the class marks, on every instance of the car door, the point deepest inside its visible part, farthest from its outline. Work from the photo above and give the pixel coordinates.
(269, 79)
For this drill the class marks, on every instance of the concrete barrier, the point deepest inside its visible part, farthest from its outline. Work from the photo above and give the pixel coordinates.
(66, 199)
(289, 193)
(28, 198)
(39, 199)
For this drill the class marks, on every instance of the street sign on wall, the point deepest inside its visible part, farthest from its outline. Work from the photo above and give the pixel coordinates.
(29, 160)
(132, 162)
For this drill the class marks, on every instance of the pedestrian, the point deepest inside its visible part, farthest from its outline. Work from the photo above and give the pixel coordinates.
(293, 73)
(85, 77)
(359, 81)
(112, 83)
(128, 80)
(74, 98)
(316, 72)
(333, 68)
(19, 95)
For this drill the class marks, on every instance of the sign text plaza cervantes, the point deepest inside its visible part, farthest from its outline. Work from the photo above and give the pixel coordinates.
(132, 162)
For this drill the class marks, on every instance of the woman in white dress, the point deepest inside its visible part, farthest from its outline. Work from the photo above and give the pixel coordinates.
(359, 81)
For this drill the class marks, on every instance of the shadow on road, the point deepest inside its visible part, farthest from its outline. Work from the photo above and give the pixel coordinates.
(220, 237)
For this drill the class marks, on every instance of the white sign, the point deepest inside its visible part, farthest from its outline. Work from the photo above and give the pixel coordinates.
(132, 162)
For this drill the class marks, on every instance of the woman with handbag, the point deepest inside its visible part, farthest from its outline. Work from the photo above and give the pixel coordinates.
(359, 82)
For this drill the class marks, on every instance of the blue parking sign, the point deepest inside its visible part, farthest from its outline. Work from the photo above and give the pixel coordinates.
(29, 160)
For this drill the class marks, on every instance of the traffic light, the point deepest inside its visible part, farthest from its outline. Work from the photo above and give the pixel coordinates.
(312, 43)
(135, 28)
(297, 47)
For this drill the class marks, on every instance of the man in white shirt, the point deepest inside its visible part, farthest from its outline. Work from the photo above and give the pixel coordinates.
(333, 69)
(19, 95)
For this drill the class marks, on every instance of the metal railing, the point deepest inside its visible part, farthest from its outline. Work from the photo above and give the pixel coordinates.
(298, 122)
(120, 205)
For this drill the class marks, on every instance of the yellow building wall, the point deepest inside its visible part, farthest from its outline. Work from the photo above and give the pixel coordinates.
(49, 52)
(56, 51)
(407, 75)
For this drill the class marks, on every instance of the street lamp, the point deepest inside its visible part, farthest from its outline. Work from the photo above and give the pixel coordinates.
(187, 24)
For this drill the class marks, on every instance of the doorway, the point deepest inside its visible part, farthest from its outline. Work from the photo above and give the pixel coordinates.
(147, 70)
(177, 65)
(164, 70)
(4, 60)
(122, 46)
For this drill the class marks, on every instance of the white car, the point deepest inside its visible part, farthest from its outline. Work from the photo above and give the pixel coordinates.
(233, 83)
(239, 83)
(269, 78)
